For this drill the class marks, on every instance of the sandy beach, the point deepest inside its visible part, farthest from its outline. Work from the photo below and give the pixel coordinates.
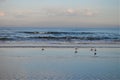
(59, 64)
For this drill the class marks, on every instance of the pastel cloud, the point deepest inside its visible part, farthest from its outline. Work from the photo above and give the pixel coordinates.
(53, 12)
(22, 13)
(2, 13)
(70, 12)
(89, 12)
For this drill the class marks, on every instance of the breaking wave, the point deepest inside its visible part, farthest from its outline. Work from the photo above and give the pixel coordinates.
(21, 34)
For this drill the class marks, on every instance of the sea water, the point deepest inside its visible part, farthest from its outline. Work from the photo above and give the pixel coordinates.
(59, 35)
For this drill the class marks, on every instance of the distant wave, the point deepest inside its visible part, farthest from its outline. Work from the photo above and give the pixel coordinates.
(67, 38)
(70, 38)
(6, 38)
(56, 35)
(57, 32)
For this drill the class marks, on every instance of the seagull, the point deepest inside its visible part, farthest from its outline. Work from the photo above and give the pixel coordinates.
(76, 48)
(95, 49)
(42, 49)
(91, 49)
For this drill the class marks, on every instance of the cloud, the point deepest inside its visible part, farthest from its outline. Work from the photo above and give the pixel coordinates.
(2, 13)
(52, 12)
(89, 12)
(60, 12)
(70, 12)
(22, 13)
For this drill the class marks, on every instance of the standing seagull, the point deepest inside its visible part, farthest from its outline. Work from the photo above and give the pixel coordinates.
(95, 49)
(91, 49)
(76, 50)
(95, 52)
(42, 49)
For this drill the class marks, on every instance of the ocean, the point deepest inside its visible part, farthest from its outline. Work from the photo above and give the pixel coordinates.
(59, 34)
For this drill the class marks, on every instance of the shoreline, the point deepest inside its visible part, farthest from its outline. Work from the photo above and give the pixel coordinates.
(61, 46)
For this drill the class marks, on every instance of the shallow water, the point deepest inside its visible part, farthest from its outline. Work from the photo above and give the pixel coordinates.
(59, 64)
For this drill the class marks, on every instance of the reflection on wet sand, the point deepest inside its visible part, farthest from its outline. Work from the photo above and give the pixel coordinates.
(59, 64)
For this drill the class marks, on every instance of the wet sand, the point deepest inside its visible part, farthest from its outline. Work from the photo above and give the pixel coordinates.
(59, 45)
(59, 64)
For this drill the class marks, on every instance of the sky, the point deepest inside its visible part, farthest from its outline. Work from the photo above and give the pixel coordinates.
(59, 13)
